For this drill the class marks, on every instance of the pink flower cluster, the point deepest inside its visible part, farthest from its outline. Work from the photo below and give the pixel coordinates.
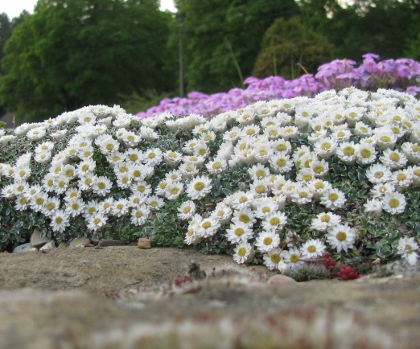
(402, 74)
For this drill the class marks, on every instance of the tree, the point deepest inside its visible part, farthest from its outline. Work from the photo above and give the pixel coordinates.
(288, 43)
(222, 38)
(69, 54)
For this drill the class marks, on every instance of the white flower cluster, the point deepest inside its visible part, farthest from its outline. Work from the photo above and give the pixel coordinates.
(378, 132)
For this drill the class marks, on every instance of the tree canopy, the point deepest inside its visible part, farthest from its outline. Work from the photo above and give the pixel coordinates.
(74, 53)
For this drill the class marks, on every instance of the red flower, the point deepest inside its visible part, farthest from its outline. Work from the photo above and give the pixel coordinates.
(347, 273)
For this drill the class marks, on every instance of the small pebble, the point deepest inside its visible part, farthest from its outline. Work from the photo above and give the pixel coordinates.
(62, 244)
(22, 248)
(37, 240)
(79, 242)
(280, 280)
(144, 243)
(48, 246)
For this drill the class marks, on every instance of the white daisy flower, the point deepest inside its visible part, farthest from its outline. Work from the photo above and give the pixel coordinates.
(124, 180)
(186, 210)
(161, 188)
(173, 190)
(38, 201)
(74, 206)
(402, 179)
(373, 206)
(320, 168)
(222, 213)
(393, 158)
(325, 221)
(188, 170)
(274, 221)
(36, 133)
(411, 151)
(406, 248)
(267, 240)
(132, 154)
(301, 195)
(102, 185)
(173, 176)
(385, 138)
(264, 207)
(333, 199)
(341, 237)
(42, 157)
(136, 199)
(239, 232)
(272, 259)
(378, 173)
(59, 221)
(380, 190)
(250, 130)
(312, 248)
(243, 253)
(96, 222)
(155, 202)
(258, 171)
(244, 215)
(292, 258)
(196, 160)
(91, 207)
(51, 205)
(199, 187)
(281, 163)
(325, 147)
(153, 156)
(394, 203)
(289, 132)
(192, 236)
(216, 166)
(281, 146)
(120, 207)
(148, 133)
(21, 203)
(22, 173)
(172, 158)
(86, 166)
(208, 227)
(260, 188)
(365, 154)
(318, 187)
(105, 206)
(142, 188)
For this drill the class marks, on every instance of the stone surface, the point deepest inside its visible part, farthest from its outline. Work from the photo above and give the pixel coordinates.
(281, 280)
(119, 297)
(37, 240)
(22, 248)
(48, 246)
(79, 242)
(144, 243)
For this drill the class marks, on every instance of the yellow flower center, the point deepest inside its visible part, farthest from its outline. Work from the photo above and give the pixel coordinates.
(133, 157)
(206, 225)
(58, 220)
(394, 203)
(260, 189)
(39, 201)
(281, 147)
(311, 248)
(326, 146)
(275, 258)
(216, 165)
(303, 194)
(319, 185)
(281, 162)
(101, 185)
(96, 221)
(239, 231)
(137, 173)
(244, 218)
(186, 209)
(385, 139)
(325, 218)
(75, 206)
(319, 169)
(266, 209)
(139, 214)
(23, 201)
(333, 196)
(365, 153)
(199, 186)
(378, 174)
(401, 176)
(174, 190)
(274, 221)
(394, 157)
(109, 146)
(267, 241)
(341, 236)
(294, 258)
(50, 206)
(261, 173)
(242, 252)
(273, 133)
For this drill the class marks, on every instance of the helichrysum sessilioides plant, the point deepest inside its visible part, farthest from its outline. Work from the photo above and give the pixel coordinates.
(279, 182)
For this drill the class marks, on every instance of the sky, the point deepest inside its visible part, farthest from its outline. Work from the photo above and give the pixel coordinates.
(14, 7)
